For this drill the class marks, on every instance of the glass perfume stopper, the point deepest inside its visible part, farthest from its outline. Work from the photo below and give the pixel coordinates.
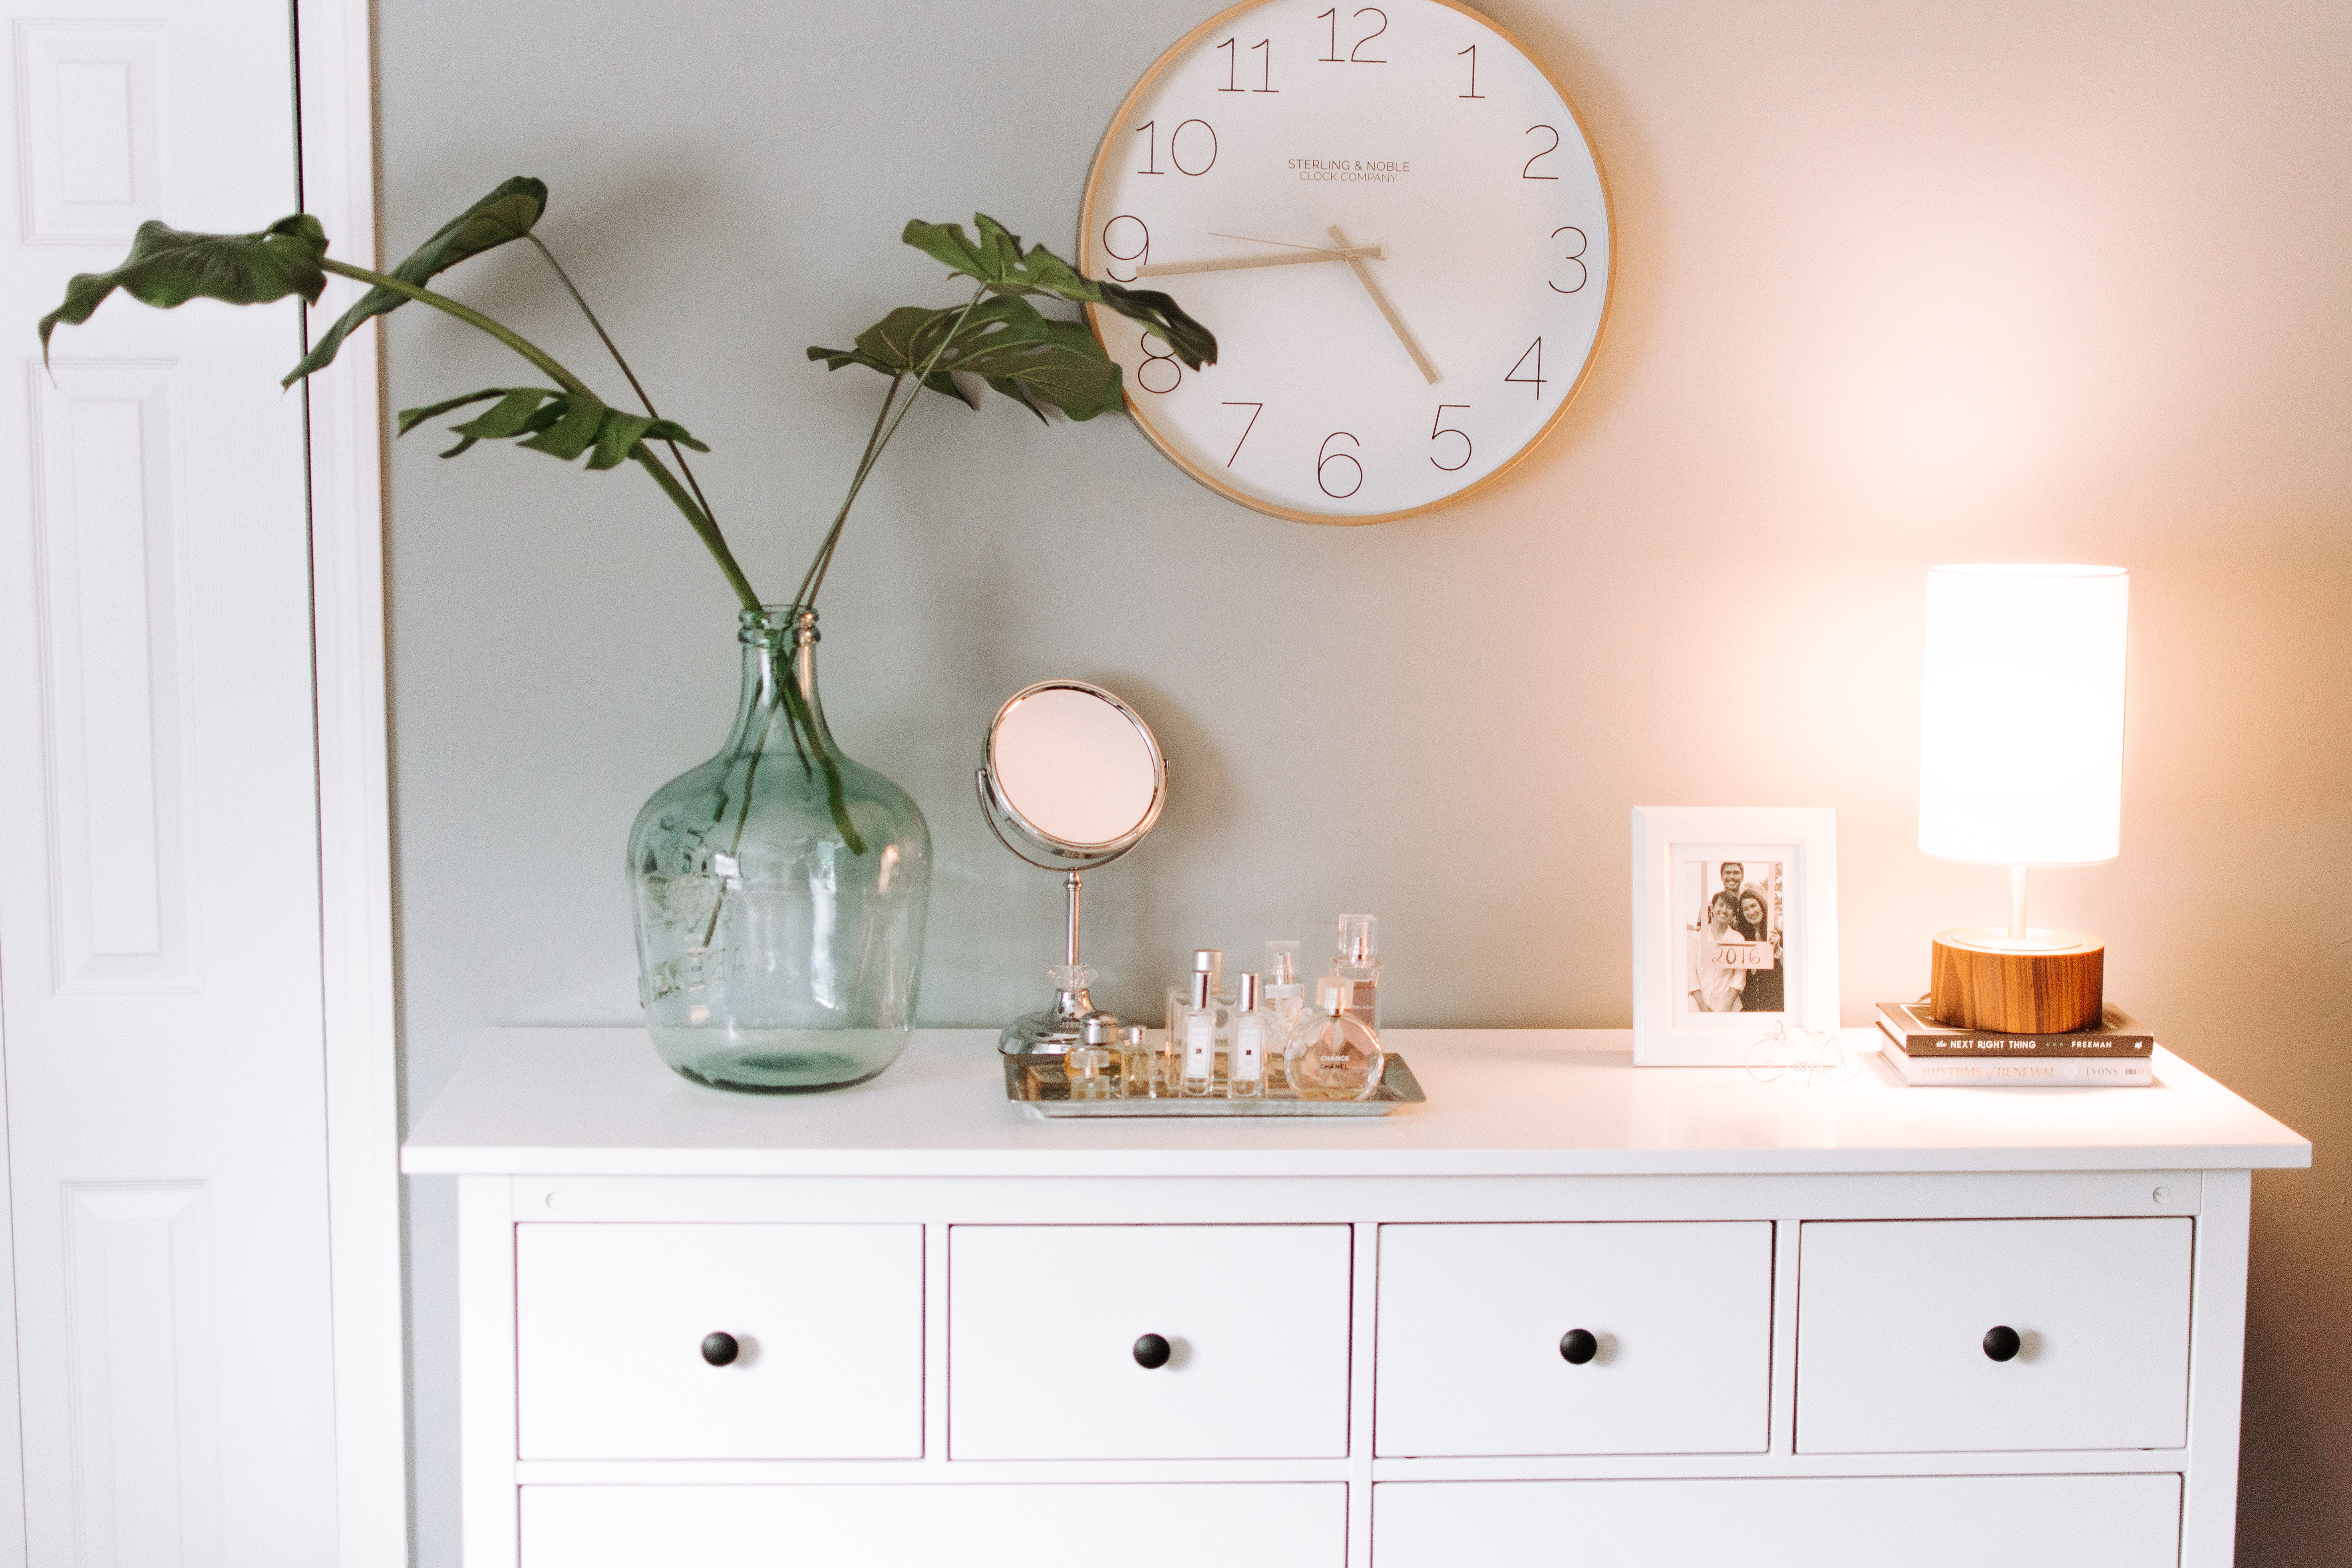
(1071, 977)
(1359, 939)
(1332, 995)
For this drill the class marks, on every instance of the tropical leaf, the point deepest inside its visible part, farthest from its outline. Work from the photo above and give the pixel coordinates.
(1004, 342)
(996, 259)
(505, 214)
(168, 267)
(562, 425)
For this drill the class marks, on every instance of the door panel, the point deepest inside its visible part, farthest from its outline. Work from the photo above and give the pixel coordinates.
(159, 919)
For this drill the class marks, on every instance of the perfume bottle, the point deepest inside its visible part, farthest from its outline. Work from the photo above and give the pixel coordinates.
(1199, 1032)
(1284, 998)
(1245, 1074)
(1358, 961)
(1151, 1068)
(1341, 1059)
(1091, 1067)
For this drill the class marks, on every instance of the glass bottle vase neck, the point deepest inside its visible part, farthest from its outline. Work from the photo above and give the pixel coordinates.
(780, 705)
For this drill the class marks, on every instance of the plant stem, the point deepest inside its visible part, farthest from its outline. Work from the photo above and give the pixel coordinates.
(865, 462)
(697, 516)
(813, 582)
(700, 520)
(677, 454)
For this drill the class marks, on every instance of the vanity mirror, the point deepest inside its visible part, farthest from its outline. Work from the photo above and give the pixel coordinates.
(1070, 778)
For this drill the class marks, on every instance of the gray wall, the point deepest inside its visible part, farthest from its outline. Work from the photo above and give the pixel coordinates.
(1899, 285)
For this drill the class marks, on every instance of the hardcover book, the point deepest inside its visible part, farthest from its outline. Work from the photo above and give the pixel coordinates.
(2017, 1072)
(1912, 1031)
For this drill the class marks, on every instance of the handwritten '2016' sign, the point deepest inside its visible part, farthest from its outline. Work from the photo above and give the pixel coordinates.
(1744, 954)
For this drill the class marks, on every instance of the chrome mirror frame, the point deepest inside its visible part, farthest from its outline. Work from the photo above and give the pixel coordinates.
(1054, 1030)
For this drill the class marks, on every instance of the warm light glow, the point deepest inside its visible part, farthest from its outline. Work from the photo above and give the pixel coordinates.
(2022, 725)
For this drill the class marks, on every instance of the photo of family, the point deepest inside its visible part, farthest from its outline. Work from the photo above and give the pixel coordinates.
(1733, 920)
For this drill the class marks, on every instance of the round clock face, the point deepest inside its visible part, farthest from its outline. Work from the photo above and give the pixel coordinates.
(1392, 221)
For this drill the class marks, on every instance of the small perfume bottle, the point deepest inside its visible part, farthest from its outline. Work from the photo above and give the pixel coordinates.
(1283, 997)
(1091, 1066)
(1199, 1032)
(1358, 961)
(1341, 1059)
(1245, 1075)
(1149, 1070)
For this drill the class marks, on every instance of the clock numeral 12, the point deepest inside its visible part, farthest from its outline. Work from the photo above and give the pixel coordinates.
(1325, 458)
(1438, 426)
(1265, 79)
(1533, 351)
(1355, 55)
(1175, 147)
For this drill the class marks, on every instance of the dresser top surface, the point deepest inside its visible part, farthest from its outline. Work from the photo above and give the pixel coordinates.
(590, 1101)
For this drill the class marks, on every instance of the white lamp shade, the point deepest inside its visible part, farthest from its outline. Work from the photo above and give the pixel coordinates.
(2021, 725)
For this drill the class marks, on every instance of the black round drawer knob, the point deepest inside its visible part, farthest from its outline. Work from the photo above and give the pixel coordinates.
(1578, 1346)
(720, 1349)
(2002, 1342)
(1151, 1352)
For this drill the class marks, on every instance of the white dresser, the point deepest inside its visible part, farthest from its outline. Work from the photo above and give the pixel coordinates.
(1568, 1312)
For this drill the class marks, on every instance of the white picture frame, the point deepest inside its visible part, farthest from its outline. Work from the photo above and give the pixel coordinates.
(1735, 908)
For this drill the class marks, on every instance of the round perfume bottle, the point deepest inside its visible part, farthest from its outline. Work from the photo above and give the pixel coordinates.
(1341, 1059)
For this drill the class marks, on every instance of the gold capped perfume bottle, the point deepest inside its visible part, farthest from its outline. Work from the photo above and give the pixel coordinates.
(1341, 1059)
(1197, 1030)
(1246, 1062)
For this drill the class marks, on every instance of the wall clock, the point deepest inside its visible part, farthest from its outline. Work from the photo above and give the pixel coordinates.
(1393, 221)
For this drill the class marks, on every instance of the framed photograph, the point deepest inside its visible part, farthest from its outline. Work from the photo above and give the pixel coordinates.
(1734, 929)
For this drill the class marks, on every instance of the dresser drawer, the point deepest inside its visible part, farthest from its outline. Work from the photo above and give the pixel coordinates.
(611, 1319)
(1928, 1522)
(1473, 1319)
(1044, 1321)
(1893, 1318)
(1293, 1525)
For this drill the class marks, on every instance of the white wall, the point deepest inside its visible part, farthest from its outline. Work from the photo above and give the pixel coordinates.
(1900, 284)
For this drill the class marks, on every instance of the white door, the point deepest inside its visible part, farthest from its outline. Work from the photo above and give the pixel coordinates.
(160, 969)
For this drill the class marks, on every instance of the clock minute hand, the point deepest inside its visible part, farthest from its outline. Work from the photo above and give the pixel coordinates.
(1232, 263)
(1351, 256)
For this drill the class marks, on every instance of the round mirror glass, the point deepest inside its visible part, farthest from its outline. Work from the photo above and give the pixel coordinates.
(1076, 767)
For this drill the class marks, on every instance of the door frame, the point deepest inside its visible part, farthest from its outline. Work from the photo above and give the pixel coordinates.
(335, 73)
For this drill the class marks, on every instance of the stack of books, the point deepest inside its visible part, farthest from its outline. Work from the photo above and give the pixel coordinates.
(1922, 1051)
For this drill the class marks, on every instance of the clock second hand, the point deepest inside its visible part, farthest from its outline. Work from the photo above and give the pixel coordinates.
(1351, 256)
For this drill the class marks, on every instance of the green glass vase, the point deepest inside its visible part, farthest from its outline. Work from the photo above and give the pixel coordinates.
(779, 891)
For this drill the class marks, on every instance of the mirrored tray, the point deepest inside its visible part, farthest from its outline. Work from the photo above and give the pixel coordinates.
(1036, 1081)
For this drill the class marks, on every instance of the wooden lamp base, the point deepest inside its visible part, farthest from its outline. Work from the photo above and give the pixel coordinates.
(1984, 980)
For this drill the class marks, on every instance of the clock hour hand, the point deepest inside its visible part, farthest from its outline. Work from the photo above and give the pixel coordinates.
(1232, 263)
(1351, 256)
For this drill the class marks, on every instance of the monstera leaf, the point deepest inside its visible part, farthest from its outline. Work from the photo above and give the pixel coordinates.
(1027, 356)
(505, 214)
(996, 259)
(561, 424)
(167, 267)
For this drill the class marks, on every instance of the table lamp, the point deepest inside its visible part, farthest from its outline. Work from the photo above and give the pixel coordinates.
(2021, 765)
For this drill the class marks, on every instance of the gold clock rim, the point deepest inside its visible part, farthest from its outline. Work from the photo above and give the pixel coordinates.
(1293, 514)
